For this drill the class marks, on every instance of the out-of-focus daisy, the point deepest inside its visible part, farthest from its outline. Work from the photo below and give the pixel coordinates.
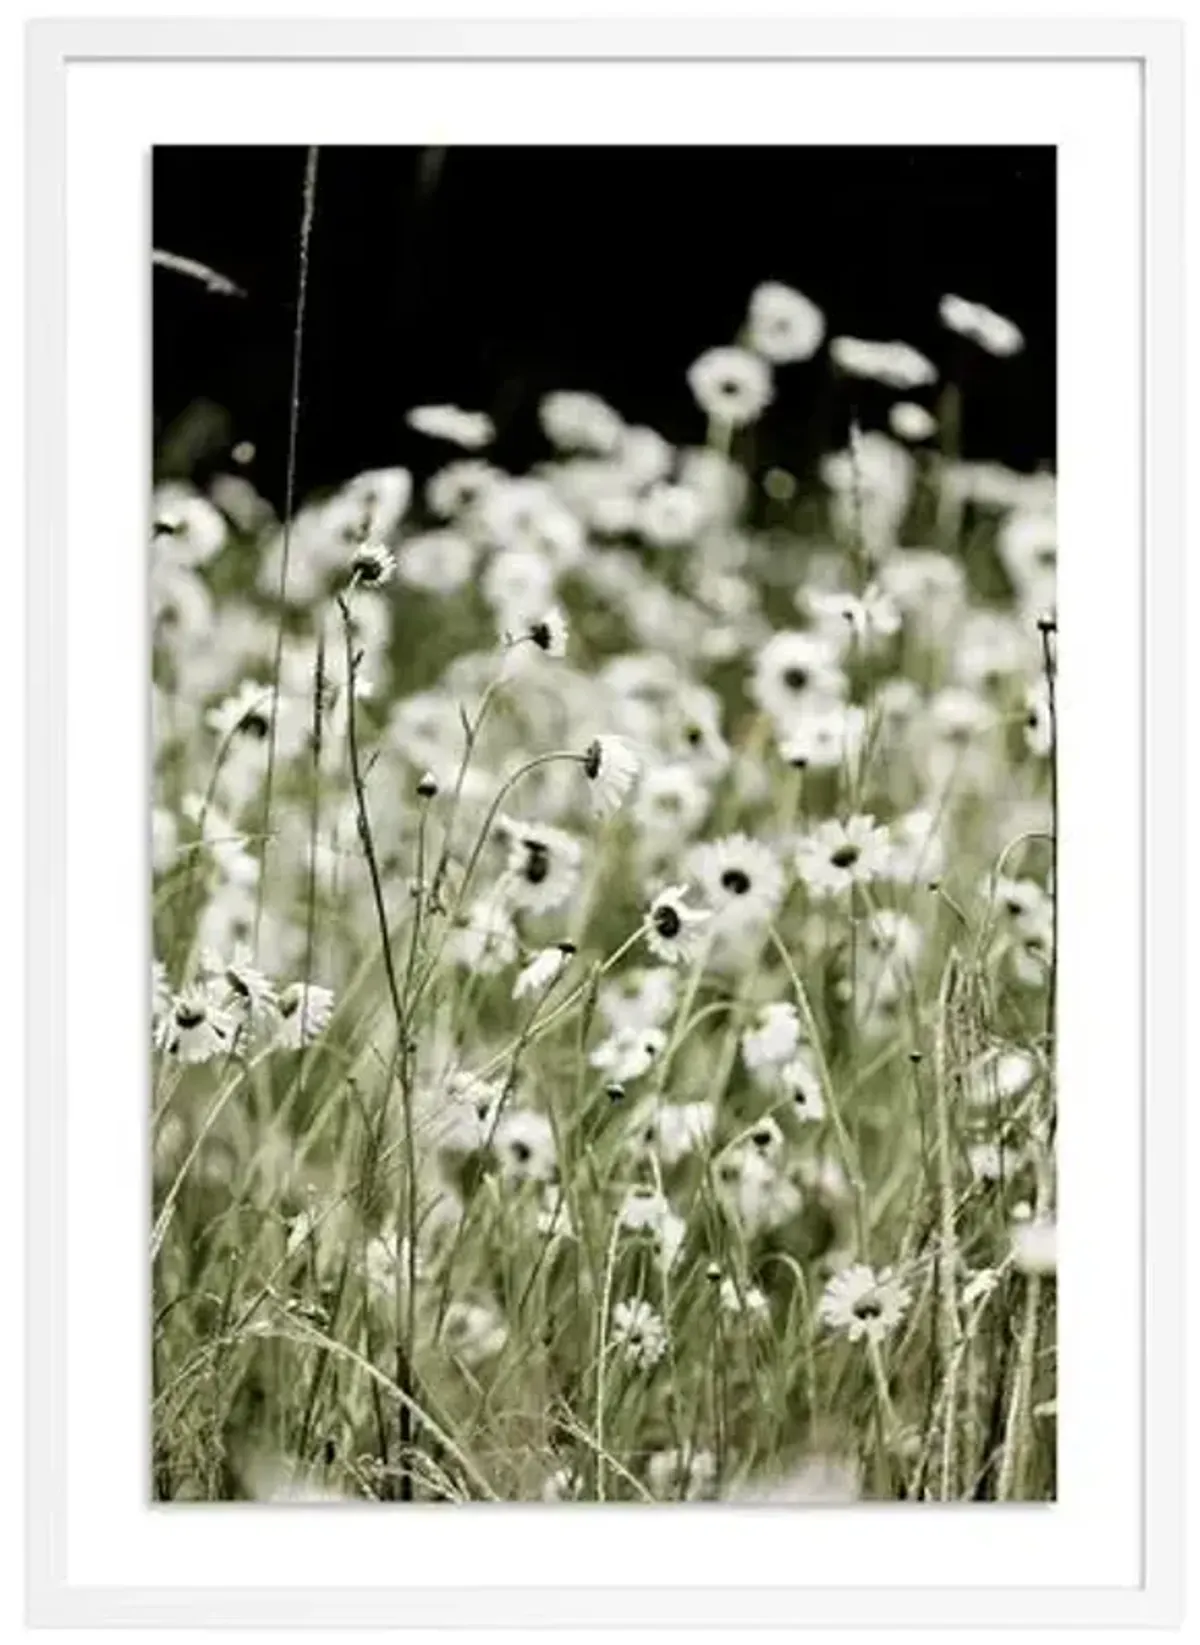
(305, 1009)
(185, 528)
(824, 737)
(898, 365)
(526, 516)
(982, 325)
(195, 1029)
(772, 1038)
(248, 711)
(581, 422)
(515, 582)
(436, 562)
(917, 854)
(646, 1212)
(892, 938)
(782, 324)
(674, 931)
(731, 386)
(754, 1191)
(1038, 728)
(740, 879)
(1027, 543)
(864, 1304)
(249, 994)
(524, 1145)
(486, 939)
(868, 618)
(743, 1302)
(671, 804)
(994, 1161)
(472, 430)
(543, 866)
(800, 1083)
(639, 1334)
(548, 632)
(1035, 1246)
(912, 422)
(669, 516)
(611, 768)
(459, 488)
(999, 1075)
(642, 997)
(372, 564)
(543, 969)
(837, 855)
(818, 1479)
(792, 670)
(629, 1051)
(473, 1333)
(682, 1476)
(682, 1128)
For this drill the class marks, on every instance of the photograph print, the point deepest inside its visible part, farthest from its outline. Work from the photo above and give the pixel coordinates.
(603, 825)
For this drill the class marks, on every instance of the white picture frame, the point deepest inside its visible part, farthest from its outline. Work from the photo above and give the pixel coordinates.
(57, 1594)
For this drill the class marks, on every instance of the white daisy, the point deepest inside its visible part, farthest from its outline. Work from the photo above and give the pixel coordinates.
(458, 489)
(1035, 1245)
(669, 516)
(868, 618)
(185, 527)
(754, 1191)
(1001, 1074)
(772, 1038)
(824, 737)
(682, 1128)
(641, 997)
(671, 803)
(195, 1029)
(782, 324)
(837, 855)
(247, 712)
(473, 1332)
(912, 422)
(305, 1009)
(792, 670)
(548, 632)
(581, 422)
(639, 1334)
(731, 386)
(629, 1051)
(746, 1302)
(673, 930)
(250, 995)
(895, 364)
(1038, 728)
(372, 564)
(611, 768)
(740, 879)
(543, 868)
(982, 325)
(864, 1304)
(436, 562)
(472, 430)
(675, 1476)
(523, 1142)
(486, 939)
(543, 970)
(801, 1084)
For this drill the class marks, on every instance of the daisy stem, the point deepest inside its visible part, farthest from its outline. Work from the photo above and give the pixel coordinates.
(948, 1331)
(602, 1353)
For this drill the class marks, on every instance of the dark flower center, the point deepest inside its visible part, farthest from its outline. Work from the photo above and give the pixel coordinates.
(521, 1152)
(591, 761)
(537, 862)
(255, 724)
(189, 1016)
(762, 1138)
(540, 635)
(667, 922)
(868, 1308)
(795, 678)
(736, 880)
(238, 984)
(289, 1006)
(845, 856)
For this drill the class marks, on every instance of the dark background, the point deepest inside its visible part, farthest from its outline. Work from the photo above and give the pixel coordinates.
(488, 276)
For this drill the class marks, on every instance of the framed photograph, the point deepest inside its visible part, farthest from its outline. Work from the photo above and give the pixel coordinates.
(605, 969)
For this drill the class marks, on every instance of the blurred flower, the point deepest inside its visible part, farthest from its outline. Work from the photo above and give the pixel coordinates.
(186, 529)
(305, 1009)
(611, 768)
(982, 325)
(641, 997)
(746, 1302)
(837, 855)
(897, 365)
(486, 940)
(792, 670)
(581, 422)
(731, 386)
(783, 325)
(772, 1038)
(863, 1303)
(628, 1051)
(669, 516)
(470, 429)
(1035, 1246)
(677, 1476)
(740, 880)
(910, 421)
(460, 488)
(639, 1334)
(523, 1142)
(436, 562)
(544, 968)
(682, 1128)
(543, 866)
(548, 632)
(673, 929)
(473, 1333)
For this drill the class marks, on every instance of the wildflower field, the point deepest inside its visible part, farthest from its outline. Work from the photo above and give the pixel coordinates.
(604, 934)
